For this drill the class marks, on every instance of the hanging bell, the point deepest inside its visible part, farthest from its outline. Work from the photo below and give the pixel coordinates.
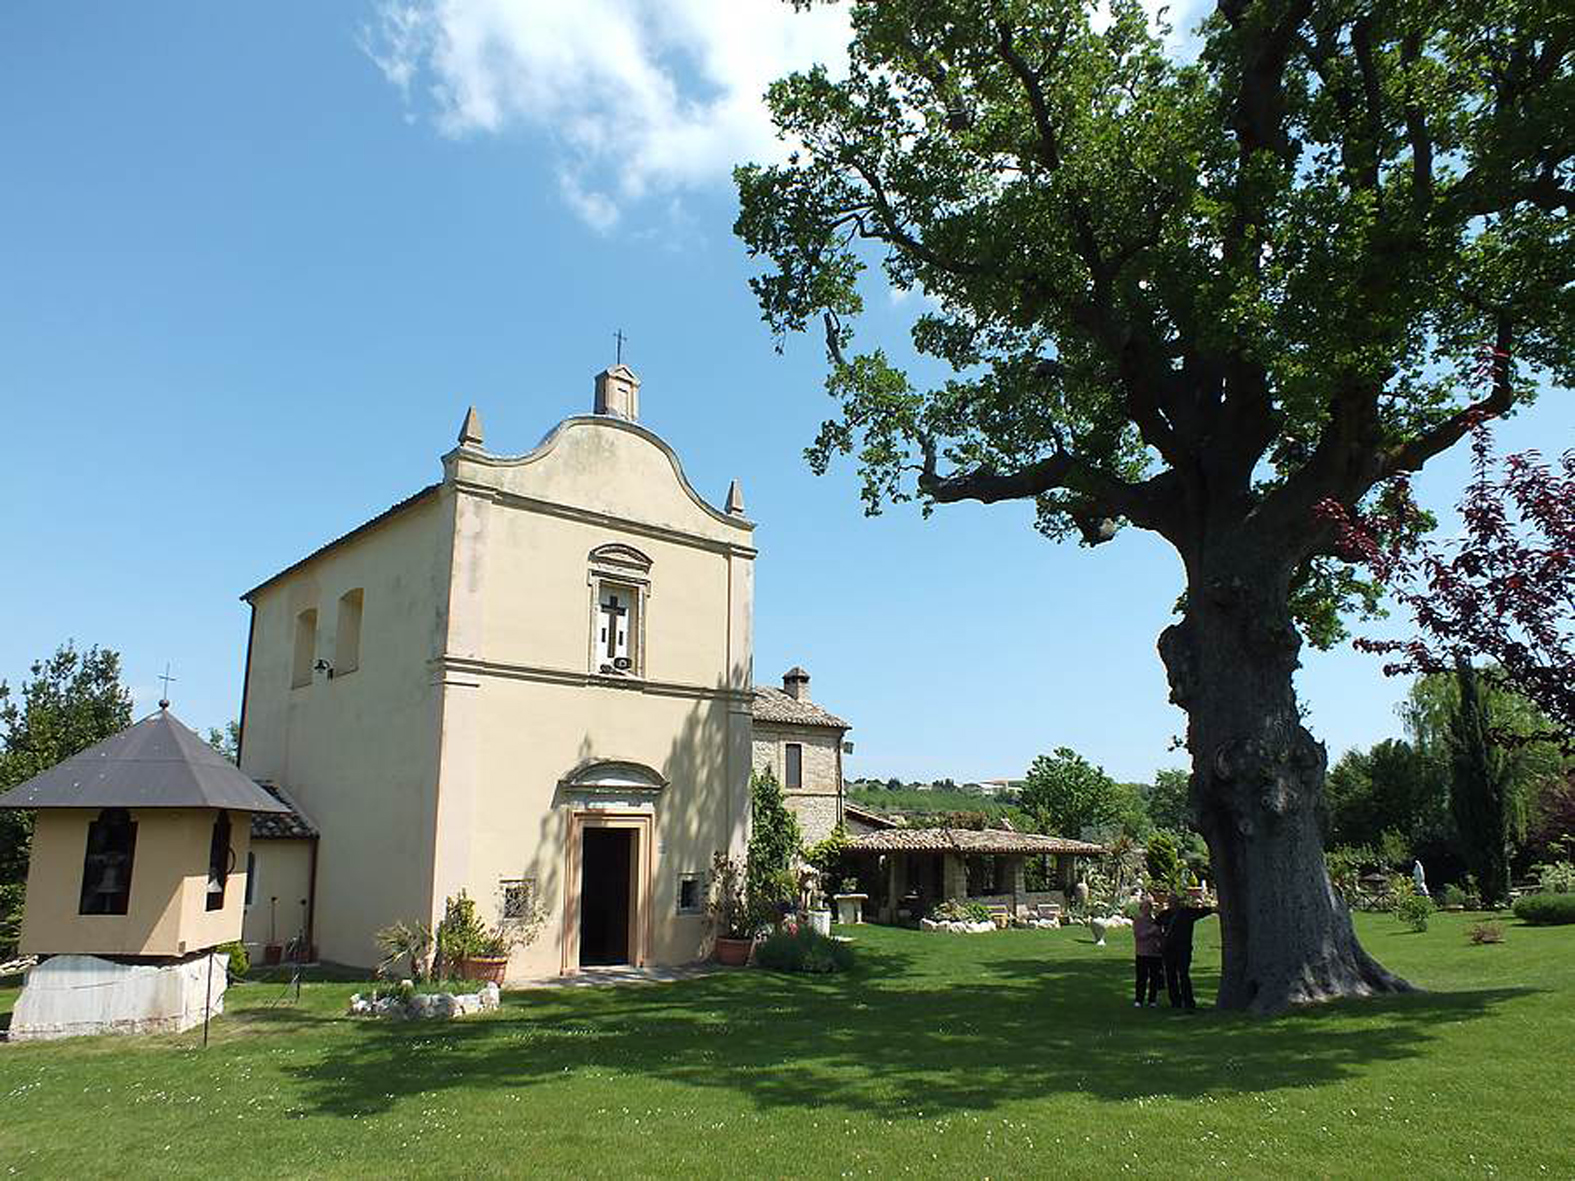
(111, 880)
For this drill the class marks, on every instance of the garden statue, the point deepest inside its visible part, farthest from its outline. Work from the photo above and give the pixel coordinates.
(1419, 877)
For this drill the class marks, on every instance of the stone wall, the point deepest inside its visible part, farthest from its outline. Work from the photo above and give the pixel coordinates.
(818, 802)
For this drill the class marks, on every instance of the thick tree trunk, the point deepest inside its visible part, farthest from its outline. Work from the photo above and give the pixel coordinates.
(1257, 781)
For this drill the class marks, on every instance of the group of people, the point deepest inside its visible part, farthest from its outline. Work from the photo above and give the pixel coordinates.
(1164, 951)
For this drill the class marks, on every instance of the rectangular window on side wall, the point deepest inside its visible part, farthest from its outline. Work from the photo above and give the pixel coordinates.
(251, 877)
(691, 893)
(793, 766)
(305, 648)
(519, 902)
(347, 633)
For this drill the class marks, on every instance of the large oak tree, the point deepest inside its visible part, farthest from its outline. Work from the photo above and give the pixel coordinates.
(1197, 299)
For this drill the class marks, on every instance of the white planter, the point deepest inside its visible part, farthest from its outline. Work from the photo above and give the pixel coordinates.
(820, 920)
(1097, 926)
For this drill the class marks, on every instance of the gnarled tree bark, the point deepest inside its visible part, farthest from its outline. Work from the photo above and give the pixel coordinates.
(1257, 779)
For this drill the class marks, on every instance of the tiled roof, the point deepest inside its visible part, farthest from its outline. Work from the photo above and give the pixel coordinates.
(773, 705)
(867, 816)
(966, 840)
(282, 826)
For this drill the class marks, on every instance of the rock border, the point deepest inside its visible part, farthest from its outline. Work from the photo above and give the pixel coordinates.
(426, 1006)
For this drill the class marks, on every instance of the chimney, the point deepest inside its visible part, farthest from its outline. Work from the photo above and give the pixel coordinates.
(795, 683)
(618, 393)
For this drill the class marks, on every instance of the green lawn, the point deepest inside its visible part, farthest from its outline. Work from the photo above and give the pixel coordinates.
(1005, 1054)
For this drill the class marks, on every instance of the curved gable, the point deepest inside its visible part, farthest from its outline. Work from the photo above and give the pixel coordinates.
(611, 466)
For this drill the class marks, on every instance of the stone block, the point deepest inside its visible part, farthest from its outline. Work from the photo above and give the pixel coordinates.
(76, 995)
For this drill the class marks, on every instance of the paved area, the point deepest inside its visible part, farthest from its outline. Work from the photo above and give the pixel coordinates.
(621, 974)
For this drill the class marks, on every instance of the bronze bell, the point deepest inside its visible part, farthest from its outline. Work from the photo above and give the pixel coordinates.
(111, 880)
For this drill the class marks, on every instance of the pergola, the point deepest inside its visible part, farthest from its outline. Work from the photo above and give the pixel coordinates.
(915, 869)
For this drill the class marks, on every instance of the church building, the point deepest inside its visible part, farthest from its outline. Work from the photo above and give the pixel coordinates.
(530, 681)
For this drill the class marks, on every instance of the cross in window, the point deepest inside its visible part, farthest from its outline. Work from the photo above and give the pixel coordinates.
(613, 610)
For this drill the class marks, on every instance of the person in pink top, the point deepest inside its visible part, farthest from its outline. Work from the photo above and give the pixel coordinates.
(1148, 938)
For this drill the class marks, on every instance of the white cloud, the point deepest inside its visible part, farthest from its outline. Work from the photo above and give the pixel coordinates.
(640, 96)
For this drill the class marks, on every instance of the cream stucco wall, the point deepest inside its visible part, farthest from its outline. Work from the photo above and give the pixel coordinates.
(818, 803)
(166, 912)
(436, 765)
(523, 706)
(282, 870)
(359, 752)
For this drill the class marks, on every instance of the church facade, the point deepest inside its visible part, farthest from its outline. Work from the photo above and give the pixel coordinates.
(530, 681)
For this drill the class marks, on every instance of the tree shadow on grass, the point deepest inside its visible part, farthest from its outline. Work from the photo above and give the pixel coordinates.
(880, 1042)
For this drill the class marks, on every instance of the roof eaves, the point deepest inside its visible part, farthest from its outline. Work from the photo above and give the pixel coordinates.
(391, 511)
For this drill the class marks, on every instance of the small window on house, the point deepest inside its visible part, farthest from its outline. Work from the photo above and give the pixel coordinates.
(519, 899)
(305, 648)
(691, 893)
(347, 633)
(221, 859)
(617, 628)
(106, 870)
(793, 761)
(251, 877)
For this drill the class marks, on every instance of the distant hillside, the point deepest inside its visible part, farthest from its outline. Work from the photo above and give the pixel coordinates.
(908, 800)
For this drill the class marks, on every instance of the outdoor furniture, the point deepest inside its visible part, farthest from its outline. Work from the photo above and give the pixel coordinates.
(850, 908)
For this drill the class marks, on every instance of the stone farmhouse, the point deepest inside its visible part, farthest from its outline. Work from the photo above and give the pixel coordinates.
(802, 745)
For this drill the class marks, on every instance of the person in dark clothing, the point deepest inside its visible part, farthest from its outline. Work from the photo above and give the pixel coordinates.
(1178, 922)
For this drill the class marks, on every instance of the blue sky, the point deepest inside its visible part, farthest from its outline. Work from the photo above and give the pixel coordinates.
(255, 263)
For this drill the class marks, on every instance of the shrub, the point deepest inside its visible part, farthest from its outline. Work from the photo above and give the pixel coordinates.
(461, 935)
(956, 911)
(1411, 908)
(11, 898)
(803, 950)
(1556, 878)
(1345, 864)
(1452, 895)
(1162, 859)
(409, 941)
(240, 961)
(1546, 910)
(1485, 933)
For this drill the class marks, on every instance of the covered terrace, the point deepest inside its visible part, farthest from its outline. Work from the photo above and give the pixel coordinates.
(910, 871)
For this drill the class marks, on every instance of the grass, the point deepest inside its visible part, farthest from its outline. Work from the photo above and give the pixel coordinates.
(1004, 1054)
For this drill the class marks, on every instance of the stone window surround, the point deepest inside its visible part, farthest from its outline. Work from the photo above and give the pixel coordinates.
(790, 749)
(698, 907)
(643, 823)
(624, 567)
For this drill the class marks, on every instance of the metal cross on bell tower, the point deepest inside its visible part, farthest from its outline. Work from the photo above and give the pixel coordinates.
(164, 701)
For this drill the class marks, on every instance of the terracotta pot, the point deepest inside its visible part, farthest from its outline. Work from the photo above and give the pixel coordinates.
(733, 952)
(273, 953)
(489, 969)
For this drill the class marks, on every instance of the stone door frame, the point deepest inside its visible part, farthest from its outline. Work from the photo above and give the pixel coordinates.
(640, 912)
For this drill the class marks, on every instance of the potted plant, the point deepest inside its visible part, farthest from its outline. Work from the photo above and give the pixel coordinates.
(730, 915)
(468, 949)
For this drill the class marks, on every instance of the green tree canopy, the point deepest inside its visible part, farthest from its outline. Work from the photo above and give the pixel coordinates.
(1391, 787)
(1167, 802)
(1065, 794)
(68, 702)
